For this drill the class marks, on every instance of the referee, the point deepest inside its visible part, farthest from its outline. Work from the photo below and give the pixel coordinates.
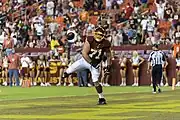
(156, 59)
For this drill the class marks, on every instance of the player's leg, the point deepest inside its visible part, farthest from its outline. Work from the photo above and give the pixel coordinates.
(95, 76)
(78, 65)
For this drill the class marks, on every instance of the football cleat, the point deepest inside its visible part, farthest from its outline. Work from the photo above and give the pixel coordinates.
(101, 101)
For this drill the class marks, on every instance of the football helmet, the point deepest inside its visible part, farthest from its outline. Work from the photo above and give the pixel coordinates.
(99, 34)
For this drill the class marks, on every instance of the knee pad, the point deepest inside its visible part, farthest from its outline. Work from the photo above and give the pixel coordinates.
(96, 84)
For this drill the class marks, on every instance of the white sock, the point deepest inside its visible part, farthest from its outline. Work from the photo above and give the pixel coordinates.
(101, 95)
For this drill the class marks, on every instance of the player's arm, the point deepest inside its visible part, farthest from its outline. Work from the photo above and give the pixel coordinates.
(85, 51)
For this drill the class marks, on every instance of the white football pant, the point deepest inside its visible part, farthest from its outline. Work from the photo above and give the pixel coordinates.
(82, 64)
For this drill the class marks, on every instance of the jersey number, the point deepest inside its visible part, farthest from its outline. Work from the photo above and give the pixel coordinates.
(95, 53)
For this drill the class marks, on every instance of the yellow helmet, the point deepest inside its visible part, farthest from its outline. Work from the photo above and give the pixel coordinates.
(99, 34)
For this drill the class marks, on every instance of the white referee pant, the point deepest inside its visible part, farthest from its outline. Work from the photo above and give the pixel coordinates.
(82, 64)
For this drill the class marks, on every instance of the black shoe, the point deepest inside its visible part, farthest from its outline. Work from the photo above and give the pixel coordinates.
(159, 90)
(102, 101)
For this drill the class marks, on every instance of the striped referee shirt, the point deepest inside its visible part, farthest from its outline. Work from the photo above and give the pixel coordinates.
(157, 58)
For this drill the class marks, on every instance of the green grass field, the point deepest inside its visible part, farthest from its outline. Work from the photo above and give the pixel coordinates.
(74, 103)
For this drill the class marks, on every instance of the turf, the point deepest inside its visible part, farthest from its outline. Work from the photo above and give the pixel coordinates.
(74, 103)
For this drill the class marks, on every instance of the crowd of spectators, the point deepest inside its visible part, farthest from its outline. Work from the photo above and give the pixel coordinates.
(38, 27)
(62, 24)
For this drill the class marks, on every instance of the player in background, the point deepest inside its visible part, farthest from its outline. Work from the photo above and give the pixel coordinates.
(92, 54)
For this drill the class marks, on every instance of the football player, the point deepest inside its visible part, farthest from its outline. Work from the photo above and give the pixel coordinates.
(92, 54)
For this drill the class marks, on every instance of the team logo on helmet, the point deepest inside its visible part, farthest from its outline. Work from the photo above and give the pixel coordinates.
(99, 34)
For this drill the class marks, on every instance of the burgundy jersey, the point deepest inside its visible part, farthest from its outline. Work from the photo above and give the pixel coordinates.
(97, 49)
